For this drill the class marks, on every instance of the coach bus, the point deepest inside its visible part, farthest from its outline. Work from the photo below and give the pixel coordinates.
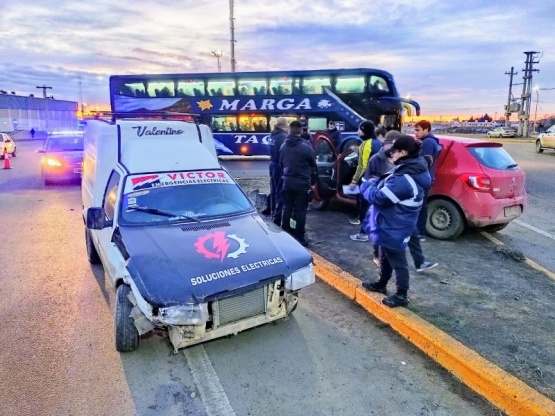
(242, 107)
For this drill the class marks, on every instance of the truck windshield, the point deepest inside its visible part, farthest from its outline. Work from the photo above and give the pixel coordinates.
(188, 196)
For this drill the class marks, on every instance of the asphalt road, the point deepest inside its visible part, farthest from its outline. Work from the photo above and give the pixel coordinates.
(57, 355)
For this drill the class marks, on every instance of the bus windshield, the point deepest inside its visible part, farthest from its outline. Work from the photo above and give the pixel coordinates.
(242, 107)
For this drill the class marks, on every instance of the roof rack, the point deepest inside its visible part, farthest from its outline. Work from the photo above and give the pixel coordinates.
(146, 115)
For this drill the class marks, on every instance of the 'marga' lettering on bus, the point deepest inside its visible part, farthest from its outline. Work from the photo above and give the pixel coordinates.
(267, 104)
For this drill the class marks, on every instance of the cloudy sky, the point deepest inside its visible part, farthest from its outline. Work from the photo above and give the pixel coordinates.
(450, 56)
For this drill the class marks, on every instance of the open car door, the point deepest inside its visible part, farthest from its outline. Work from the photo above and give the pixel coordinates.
(326, 185)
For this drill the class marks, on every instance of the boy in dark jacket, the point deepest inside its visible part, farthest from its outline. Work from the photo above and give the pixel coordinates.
(396, 199)
(431, 147)
(298, 164)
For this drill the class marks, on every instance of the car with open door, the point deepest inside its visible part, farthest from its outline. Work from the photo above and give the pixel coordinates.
(477, 185)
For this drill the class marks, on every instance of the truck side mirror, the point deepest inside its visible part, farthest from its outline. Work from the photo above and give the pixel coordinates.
(96, 219)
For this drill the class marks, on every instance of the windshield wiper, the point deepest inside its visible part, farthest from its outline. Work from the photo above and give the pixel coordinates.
(161, 212)
(514, 165)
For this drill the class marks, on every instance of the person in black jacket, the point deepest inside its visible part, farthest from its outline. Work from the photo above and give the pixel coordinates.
(298, 164)
(277, 138)
(335, 136)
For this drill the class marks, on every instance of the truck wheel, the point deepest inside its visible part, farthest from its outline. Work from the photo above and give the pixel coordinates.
(92, 254)
(127, 336)
(445, 220)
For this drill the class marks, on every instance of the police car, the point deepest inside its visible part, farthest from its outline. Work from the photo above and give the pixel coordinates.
(180, 241)
(62, 157)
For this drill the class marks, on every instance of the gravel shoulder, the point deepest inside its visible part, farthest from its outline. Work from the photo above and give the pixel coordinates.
(481, 295)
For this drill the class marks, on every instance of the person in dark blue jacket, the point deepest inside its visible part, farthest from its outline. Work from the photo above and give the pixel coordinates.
(276, 139)
(298, 164)
(396, 200)
(431, 147)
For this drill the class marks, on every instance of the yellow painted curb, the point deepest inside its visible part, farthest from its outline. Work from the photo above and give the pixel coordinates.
(508, 393)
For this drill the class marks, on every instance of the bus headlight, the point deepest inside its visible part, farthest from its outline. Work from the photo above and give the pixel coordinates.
(189, 314)
(300, 278)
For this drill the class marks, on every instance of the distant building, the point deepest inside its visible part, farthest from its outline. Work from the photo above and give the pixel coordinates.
(41, 114)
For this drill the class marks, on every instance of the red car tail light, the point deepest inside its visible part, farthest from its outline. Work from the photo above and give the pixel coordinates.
(476, 181)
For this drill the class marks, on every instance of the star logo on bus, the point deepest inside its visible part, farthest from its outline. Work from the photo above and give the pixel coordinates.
(205, 105)
(324, 104)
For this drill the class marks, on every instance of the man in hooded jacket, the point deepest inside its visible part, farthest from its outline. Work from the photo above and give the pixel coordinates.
(298, 164)
(396, 199)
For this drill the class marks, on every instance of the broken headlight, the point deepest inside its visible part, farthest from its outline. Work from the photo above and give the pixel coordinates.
(300, 278)
(188, 314)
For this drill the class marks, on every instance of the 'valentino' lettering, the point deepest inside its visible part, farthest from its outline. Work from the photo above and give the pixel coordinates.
(144, 131)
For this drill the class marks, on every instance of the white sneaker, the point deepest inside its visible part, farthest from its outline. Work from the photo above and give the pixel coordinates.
(359, 237)
(427, 265)
(354, 221)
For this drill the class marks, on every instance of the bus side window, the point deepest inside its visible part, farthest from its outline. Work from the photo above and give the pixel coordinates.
(349, 84)
(315, 85)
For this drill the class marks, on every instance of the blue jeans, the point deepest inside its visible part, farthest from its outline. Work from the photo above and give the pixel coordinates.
(416, 250)
(423, 216)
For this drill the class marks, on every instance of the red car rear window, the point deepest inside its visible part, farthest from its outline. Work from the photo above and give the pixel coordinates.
(494, 157)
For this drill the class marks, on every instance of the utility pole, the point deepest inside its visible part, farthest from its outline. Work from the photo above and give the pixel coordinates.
(218, 55)
(232, 28)
(508, 109)
(524, 114)
(44, 88)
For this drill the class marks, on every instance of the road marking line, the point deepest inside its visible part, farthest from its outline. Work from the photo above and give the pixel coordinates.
(529, 262)
(212, 393)
(505, 391)
(531, 227)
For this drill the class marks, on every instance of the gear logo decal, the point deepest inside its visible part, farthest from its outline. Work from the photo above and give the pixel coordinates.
(218, 245)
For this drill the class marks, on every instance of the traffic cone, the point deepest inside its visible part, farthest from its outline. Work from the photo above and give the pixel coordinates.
(7, 163)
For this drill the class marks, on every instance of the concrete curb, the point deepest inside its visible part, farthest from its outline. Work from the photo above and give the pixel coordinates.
(508, 393)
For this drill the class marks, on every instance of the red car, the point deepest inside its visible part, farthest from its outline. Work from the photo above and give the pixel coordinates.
(478, 184)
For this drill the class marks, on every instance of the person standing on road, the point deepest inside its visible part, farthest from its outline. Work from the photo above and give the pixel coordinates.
(396, 199)
(277, 138)
(431, 147)
(370, 146)
(298, 164)
(32, 132)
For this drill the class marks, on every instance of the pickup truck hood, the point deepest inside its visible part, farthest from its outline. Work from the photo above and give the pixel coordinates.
(188, 263)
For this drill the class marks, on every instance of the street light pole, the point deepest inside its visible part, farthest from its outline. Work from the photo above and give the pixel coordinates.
(218, 55)
(536, 88)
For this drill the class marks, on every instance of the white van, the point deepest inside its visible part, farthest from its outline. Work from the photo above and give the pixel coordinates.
(179, 239)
